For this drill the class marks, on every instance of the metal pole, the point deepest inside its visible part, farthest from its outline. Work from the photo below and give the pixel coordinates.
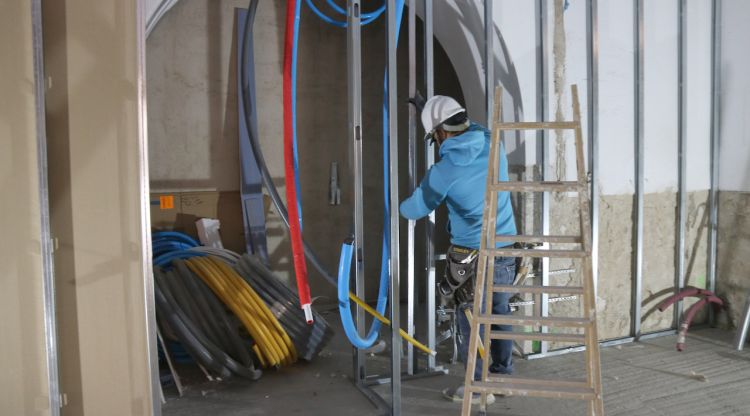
(429, 70)
(592, 23)
(48, 266)
(639, 141)
(715, 144)
(743, 326)
(489, 60)
(354, 79)
(394, 219)
(411, 360)
(681, 151)
(542, 145)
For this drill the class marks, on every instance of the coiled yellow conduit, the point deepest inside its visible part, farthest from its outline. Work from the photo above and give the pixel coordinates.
(272, 344)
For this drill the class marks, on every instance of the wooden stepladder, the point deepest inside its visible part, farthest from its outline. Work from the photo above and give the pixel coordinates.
(588, 389)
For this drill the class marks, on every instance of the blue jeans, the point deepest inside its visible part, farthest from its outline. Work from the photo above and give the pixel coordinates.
(501, 351)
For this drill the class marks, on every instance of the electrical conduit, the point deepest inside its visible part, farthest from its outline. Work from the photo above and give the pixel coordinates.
(300, 267)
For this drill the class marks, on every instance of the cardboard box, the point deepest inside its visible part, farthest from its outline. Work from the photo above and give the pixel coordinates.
(178, 211)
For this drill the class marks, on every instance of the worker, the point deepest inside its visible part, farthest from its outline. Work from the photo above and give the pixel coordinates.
(459, 180)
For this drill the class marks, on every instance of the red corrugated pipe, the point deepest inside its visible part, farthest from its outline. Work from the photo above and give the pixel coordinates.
(706, 296)
(298, 254)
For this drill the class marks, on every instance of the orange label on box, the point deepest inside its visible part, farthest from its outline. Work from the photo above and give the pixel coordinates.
(166, 202)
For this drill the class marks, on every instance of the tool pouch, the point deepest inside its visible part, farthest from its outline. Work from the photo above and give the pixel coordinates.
(460, 275)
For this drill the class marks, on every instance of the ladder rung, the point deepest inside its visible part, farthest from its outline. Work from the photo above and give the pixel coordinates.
(516, 186)
(503, 378)
(538, 125)
(565, 239)
(530, 390)
(558, 290)
(520, 320)
(538, 336)
(516, 252)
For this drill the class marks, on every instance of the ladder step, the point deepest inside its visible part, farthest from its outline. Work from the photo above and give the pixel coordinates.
(516, 252)
(514, 186)
(530, 390)
(565, 239)
(521, 320)
(558, 290)
(543, 125)
(538, 336)
(503, 378)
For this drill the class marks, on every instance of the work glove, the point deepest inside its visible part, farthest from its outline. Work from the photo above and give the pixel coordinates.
(418, 102)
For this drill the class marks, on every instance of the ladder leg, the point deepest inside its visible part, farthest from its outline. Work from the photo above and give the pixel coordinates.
(593, 365)
(471, 358)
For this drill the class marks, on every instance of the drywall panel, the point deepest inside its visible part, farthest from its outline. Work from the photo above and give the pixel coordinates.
(660, 95)
(698, 110)
(24, 388)
(97, 203)
(616, 95)
(734, 167)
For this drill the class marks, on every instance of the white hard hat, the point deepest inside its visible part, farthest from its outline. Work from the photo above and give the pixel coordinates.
(437, 110)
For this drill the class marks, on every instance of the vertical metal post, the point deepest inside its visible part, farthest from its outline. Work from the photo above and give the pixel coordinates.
(681, 151)
(411, 359)
(394, 219)
(592, 40)
(713, 201)
(489, 60)
(48, 267)
(542, 145)
(639, 142)
(429, 71)
(354, 80)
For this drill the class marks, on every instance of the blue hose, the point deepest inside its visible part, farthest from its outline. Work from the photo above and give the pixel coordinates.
(346, 249)
(367, 18)
(165, 259)
(295, 42)
(340, 10)
(174, 235)
(160, 247)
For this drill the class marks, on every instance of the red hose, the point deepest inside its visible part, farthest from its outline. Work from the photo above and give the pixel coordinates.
(690, 314)
(298, 254)
(684, 293)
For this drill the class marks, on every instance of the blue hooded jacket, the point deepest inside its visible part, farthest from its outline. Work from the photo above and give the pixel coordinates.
(460, 179)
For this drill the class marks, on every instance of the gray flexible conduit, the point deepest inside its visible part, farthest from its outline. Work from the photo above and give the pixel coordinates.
(193, 338)
(234, 343)
(309, 340)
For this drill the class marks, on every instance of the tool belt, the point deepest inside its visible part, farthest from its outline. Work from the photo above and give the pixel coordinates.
(460, 275)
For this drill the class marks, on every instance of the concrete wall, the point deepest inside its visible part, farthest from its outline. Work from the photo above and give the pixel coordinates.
(733, 277)
(98, 206)
(24, 388)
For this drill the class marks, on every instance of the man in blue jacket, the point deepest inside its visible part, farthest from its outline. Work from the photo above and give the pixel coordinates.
(459, 180)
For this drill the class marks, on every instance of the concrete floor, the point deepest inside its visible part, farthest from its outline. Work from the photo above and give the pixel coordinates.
(645, 378)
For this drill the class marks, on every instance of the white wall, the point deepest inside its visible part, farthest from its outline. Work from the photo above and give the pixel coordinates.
(734, 164)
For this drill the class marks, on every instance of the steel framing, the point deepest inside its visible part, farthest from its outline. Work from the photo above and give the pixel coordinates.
(715, 144)
(429, 151)
(592, 44)
(394, 219)
(489, 60)
(412, 300)
(542, 145)
(635, 327)
(681, 151)
(46, 249)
